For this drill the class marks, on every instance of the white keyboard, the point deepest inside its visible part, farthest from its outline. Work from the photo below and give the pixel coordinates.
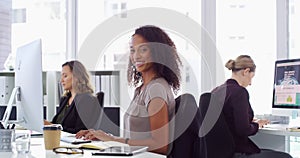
(276, 126)
(70, 138)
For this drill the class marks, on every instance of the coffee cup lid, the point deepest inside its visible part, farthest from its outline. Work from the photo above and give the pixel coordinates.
(53, 127)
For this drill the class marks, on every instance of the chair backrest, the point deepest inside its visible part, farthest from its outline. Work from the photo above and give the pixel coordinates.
(110, 122)
(217, 138)
(187, 124)
(100, 97)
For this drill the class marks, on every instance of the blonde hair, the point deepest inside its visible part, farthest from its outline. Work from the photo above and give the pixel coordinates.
(81, 77)
(240, 63)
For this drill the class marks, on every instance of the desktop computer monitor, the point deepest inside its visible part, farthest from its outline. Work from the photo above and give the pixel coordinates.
(286, 88)
(28, 77)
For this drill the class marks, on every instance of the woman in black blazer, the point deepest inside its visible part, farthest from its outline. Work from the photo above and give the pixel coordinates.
(238, 112)
(78, 109)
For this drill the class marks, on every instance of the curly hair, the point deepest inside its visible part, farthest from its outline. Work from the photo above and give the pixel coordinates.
(81, 77)
(164, 55)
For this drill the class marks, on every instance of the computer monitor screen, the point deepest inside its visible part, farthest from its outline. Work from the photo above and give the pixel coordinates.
(28, 77)
(286, 91)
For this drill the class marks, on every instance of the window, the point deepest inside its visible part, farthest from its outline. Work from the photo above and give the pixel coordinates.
(249, 27)
(91, 13)
(5, 32)
(45, 19)
(293, 27)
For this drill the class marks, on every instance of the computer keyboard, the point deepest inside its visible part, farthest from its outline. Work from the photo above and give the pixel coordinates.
(70, 138)
(276, 126)
(73, 140)
(274, 119)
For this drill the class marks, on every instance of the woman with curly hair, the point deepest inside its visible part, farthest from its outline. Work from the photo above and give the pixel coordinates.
(154, 70)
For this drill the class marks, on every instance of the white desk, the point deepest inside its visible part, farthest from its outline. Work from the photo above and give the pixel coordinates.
(37, 150)
(274, 138)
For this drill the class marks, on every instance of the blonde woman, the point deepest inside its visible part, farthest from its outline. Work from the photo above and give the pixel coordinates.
(78, 108)
(238, 112)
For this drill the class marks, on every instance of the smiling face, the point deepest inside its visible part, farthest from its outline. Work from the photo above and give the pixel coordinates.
(66, 78)
(140, 54)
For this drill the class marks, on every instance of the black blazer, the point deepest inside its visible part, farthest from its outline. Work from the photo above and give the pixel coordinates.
(238, 115)
(84, 113)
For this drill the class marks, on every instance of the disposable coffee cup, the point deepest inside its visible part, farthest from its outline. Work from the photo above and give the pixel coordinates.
(52, 136)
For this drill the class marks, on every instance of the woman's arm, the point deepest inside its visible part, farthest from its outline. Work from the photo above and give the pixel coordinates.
(243, 126)
(158, 116)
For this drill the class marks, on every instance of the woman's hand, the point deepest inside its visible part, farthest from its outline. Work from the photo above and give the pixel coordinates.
(94, 135)
(47, 122)
(82, 133)
(261, 123)
(100, 135)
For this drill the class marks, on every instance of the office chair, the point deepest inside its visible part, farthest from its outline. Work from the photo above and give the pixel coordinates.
(187, 124)
(110, 122)
(218, 141)
(100, 97)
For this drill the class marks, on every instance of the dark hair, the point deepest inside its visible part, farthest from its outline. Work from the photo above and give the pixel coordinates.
(166, 61)
(81, 77)
(240, 63)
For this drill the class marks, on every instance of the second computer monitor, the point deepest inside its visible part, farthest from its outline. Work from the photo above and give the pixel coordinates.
(286, 91)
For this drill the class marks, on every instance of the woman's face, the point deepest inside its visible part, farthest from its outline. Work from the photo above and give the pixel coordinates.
(248, 75)
(66, 78)
(140, 54)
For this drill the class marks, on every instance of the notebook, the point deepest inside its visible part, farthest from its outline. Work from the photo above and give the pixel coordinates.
(95, 145)
(122, 150)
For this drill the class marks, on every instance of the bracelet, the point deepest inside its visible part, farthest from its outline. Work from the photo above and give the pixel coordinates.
(126, 140)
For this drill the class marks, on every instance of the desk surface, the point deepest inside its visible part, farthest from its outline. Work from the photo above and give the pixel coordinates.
(276, 138)
(279, 130)
(37, 150)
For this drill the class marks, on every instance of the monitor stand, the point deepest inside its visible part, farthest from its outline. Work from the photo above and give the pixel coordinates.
(14, 95)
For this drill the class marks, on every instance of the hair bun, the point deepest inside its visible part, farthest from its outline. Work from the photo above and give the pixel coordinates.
(230, 64)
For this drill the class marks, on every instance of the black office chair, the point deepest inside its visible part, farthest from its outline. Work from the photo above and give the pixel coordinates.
(217, 137)
(100, 97)
(110, 122)
(187, 124)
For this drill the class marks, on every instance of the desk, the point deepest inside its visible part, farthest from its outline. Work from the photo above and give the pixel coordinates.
(37, 150)
(274, 138)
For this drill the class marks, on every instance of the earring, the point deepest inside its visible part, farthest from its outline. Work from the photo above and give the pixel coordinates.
(133, 68)
(135, 72)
